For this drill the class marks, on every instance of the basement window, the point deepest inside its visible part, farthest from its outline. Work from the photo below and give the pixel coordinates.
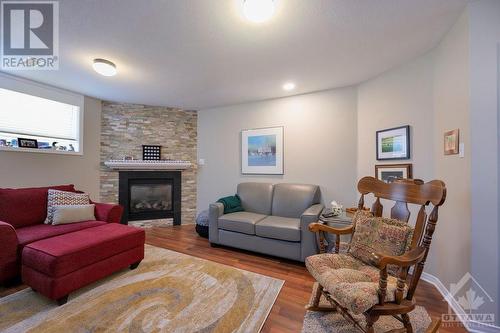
(35, 124)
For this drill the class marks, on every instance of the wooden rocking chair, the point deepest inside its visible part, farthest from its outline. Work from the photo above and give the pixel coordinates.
(402, 192)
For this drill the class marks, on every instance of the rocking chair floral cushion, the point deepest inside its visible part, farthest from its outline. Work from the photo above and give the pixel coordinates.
(350, 278)
(351, 282)
(374, 235)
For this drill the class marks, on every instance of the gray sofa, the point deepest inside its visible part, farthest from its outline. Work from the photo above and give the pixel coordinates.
(275, 220)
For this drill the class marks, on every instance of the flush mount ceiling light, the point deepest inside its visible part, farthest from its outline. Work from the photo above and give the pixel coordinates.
(289, 86)
(258, 10)
(104, 67)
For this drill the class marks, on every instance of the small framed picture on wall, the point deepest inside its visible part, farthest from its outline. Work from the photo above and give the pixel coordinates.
(451, 142)
(262, 151)
(393, 143)
(390, 172)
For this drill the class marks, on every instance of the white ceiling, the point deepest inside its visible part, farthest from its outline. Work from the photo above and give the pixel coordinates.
(197, 54)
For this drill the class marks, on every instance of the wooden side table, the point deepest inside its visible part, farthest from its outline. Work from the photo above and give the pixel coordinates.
(341, 221)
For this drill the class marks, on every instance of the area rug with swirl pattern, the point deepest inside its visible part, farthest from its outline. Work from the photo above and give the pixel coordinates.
(169, 292)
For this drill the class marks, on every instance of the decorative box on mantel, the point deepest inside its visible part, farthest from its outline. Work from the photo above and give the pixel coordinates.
(148, 165)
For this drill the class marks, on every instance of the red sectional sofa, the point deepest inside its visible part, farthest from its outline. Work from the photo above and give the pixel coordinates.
(56, 260)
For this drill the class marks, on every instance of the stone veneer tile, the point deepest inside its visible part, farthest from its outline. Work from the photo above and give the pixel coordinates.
(126, 127)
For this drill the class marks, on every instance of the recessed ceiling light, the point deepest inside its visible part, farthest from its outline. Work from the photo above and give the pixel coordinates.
(258, 10)
(289, 86)
(104, 67)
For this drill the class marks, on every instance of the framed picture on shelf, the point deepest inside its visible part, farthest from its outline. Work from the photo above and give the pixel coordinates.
(262, 151)
(389, 172)
(393, 143)
(27, 143)
(451, 142)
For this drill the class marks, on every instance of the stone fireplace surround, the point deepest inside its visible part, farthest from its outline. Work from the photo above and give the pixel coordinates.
(126, 127)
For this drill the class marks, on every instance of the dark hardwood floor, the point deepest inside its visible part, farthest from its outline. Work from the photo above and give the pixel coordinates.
(288, 311)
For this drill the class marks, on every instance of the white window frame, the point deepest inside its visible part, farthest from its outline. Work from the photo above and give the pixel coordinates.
(44, 91)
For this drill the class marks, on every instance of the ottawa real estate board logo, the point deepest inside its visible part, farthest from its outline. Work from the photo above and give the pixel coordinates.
(29, 35)
(472, 298)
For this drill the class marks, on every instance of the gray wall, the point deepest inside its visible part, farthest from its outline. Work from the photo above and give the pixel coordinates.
(319, 143)
(402, 96)
(484, 39)
(451, 110)
(399, 97)
(22, 169)
(431, 94)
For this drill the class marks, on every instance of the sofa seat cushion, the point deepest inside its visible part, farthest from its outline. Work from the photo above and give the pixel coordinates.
(37, 232)
(243, 222)
(277, 227)
(67, 253)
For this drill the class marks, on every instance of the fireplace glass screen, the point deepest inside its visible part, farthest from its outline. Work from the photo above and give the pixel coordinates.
(150, 197)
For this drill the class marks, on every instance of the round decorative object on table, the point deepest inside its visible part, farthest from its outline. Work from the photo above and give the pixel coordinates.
(202, 224)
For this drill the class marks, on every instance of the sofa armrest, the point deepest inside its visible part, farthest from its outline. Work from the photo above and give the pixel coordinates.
(110, 213)
(216, 210)
(8, 244)
(310, 215)
(307, 238)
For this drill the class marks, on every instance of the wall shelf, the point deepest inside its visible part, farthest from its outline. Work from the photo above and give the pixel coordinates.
(39, 151)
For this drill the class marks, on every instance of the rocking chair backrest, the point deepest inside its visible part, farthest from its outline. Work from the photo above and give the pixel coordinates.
(404, 192)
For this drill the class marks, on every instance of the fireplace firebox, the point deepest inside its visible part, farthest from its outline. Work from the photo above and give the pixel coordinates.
(150, 195)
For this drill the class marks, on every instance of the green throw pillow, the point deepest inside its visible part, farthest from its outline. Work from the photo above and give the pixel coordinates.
(232, 204)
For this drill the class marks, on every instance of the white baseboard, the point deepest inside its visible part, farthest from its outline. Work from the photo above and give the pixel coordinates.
(472, 326)
(478, 327)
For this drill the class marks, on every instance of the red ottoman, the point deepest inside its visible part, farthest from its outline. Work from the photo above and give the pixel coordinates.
(60, 265)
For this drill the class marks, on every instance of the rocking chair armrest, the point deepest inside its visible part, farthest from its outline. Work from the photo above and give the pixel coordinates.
(317, 227)
(408, 259)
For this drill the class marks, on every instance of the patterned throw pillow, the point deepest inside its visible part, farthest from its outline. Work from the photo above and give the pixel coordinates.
(360, 214)
(61, 198)
(380, 235)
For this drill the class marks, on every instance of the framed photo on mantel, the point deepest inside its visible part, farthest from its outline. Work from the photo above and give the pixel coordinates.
(393, 143)
(262, 151)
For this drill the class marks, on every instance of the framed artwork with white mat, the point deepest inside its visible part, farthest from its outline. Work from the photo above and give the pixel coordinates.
(262, 151)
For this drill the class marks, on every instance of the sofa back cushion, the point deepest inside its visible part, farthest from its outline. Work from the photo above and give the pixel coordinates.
(256, 197)
(291, 200)
(26, 206)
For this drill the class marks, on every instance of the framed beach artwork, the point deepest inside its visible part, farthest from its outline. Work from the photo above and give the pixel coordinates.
(393, 143)
(262, 151)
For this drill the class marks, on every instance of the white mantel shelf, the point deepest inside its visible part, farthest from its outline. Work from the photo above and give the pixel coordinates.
(147, 165)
